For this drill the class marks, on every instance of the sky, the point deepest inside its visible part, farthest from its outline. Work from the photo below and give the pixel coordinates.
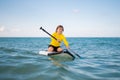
(80, 18)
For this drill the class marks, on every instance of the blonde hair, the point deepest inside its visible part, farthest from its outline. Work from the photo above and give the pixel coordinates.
(60, 26)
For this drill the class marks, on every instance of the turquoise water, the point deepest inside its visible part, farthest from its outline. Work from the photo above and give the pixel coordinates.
(100, 60)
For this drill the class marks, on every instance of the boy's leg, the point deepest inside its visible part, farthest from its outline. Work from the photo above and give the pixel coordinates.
(50, 49)
(59, 49)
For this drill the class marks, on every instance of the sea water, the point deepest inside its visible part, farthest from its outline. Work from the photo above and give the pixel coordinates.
(100, 60)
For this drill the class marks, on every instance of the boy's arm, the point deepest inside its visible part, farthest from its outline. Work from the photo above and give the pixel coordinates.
(65, 42)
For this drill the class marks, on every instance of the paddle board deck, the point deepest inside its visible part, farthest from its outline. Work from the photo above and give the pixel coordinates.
(63, 56)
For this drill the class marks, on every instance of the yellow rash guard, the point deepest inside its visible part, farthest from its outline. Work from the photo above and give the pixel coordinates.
(59, 37)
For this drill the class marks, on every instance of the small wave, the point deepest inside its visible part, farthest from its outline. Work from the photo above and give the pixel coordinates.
(9, 50)
(102, 43)
(108, 44)
(17, 54)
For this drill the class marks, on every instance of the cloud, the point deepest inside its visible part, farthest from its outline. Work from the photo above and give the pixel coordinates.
(2, 29)
(76, 10)
(15, 30)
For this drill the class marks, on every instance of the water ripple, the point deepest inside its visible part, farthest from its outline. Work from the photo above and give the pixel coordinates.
(100, 60)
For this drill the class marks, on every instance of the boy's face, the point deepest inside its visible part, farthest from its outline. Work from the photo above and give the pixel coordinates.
(60, 30)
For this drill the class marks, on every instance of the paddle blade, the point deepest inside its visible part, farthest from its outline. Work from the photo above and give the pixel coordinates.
(74, 53)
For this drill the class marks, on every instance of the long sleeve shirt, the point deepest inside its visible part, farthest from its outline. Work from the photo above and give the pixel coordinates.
(60, 37)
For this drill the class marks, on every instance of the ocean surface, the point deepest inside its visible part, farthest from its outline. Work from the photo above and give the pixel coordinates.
(100, 60)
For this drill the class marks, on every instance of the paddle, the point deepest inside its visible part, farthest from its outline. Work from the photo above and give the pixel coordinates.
(56, 39)
(47, 33)
(74, 52)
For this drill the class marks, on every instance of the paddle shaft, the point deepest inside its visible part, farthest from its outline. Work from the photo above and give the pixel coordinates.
(56, 39)
(48, 33)
(74, 52)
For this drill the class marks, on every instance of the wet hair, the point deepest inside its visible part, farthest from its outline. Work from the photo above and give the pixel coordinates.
(60, 26)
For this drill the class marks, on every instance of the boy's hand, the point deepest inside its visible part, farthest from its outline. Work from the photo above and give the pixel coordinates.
(58, 41)
(67, 47)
